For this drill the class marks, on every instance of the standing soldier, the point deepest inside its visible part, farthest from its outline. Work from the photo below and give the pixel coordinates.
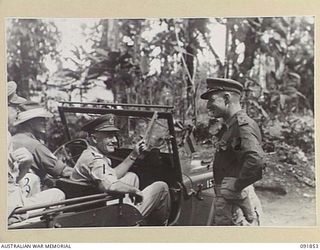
(239, 158)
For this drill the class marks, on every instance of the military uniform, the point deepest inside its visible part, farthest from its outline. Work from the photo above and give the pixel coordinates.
(44, 162)
(16, 195)
(238, 163)
(239, 160)
(93, 166)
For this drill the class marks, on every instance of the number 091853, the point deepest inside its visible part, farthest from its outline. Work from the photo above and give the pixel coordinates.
(309, 245)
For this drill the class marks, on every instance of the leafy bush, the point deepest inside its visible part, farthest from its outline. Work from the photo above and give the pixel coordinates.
(294, 130)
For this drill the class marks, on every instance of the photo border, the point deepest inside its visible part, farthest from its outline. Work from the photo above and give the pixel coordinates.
(149, 9)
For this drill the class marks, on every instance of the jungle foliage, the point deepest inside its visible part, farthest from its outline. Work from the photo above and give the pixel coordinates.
(156, 61)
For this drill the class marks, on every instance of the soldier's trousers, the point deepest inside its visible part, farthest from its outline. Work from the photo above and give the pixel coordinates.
(30, 185)
(155, 207)
(236, 212)
(44, 197)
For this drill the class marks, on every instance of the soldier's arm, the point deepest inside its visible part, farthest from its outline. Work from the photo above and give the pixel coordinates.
(124, 166)
(24, 158)
(106, 177)
(122, 187)
(102, 173)
(250, 154)
(105, 186)
(48, 162)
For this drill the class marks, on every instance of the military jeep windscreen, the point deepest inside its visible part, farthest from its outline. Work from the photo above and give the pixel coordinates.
(161, 160)
(131, 130)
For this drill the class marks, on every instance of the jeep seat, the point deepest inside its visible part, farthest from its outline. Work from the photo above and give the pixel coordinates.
(73, 189)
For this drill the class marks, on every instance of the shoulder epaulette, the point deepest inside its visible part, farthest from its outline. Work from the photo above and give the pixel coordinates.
(242, 119)
(90, 153)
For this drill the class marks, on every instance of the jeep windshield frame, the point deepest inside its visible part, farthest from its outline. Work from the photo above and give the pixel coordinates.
(128, 110)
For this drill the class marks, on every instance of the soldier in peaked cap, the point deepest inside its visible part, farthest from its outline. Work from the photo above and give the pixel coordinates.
(31, 126)
(94, 165)
(239, 158)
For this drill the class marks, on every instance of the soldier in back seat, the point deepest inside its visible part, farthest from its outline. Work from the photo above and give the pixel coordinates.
(95, 166)
(30, 125)
(20, 160)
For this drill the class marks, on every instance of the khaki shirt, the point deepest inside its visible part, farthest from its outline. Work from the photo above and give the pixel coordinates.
(44, 162)
(238, 152)
(92, 166)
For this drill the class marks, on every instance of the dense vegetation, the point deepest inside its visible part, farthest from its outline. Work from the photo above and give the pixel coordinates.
(272, 56)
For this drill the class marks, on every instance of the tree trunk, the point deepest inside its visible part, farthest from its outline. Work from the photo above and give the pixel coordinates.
(226, 63)
(113, 35)
(110, 42)
(251, 46)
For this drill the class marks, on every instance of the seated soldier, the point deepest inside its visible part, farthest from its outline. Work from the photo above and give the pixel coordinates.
(95, 166)
(19, 163)
(30, 127)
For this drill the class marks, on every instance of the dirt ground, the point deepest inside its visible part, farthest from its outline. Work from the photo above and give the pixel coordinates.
(288, 194)
(292, 209)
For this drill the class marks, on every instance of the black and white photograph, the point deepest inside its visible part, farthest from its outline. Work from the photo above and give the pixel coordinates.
(160, 122)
